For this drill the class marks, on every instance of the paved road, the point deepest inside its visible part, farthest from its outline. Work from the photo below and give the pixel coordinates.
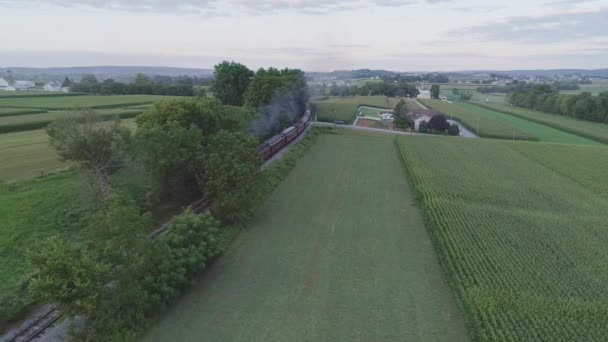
(359, 128)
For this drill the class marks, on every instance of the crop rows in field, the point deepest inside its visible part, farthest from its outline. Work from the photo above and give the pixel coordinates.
(591, 130)
(484, 125)
(345, 108)
(88, 101)
(523, 246)
(494, 124)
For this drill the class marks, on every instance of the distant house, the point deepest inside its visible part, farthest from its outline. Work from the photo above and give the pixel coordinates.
(24, 85)
(386, 116)
(52, 86)
(424, 93)
(419, 115)
(4, 86)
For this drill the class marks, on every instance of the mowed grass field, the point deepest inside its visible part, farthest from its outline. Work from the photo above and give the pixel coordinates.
(494, 124)
(591, 130)
(339, 252)
(345, 108)
(522, 234)
(85, 101)
(28, 154)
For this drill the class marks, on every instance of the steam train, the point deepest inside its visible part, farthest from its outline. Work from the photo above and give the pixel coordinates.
(273, 145)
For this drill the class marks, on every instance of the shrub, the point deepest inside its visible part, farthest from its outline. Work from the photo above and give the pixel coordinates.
(454, 129)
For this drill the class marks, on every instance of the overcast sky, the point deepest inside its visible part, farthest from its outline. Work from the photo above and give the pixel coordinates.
(314, 35)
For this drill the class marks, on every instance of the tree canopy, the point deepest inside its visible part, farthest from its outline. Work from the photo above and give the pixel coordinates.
(231, 81)
(99, 147)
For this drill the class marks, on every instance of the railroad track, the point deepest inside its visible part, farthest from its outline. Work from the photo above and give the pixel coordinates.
(36, 327)
(47, 319)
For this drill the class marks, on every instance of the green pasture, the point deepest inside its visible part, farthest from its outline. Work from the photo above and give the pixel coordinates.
(521, 231)
(28, 154)
(32, 211)
(345, 108)
(339, 252)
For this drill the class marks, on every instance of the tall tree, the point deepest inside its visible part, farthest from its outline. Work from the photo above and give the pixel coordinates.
(231, 166)
(66, 82)
(231, 82)
(99, 147)
(435, 91)
(400, 115)
(172, 154)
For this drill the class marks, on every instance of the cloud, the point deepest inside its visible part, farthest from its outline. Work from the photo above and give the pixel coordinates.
(220, 7)
(563, 27)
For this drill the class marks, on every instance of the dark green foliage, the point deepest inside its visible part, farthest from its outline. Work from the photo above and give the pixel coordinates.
(400, 114)
(230, 83)
(208, 114)
(547, 99)
(231, 167)
(438, 123)
(423, 127)
(172, 155)
(454, 129)
(165, 270)
(76, 275)
(97, 146)
(435, 91)
(277, 84)
(142, 85)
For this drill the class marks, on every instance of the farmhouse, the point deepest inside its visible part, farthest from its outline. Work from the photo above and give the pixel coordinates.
(419, 115)
(386, 116)
(424, 93)
(5, 86)
(52, 86)
(24, 85)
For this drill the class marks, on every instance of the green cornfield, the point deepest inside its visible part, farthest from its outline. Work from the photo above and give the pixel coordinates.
(482, 124)
(591, 130)
(522, 239)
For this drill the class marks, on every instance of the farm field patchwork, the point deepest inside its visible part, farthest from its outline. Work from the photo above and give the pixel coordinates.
(88, 101)
(493, 124)
(591, 130)
(523, 245)
(339, 252)
(50, 116)
(345, 108)
(28, 154)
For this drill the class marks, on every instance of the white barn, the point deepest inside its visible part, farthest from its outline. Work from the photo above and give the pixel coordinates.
(24, 85)
(52, 86)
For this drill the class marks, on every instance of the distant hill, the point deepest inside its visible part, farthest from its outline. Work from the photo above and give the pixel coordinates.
(118, 73)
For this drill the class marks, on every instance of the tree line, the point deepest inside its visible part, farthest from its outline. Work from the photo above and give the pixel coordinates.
(385, 88)
(546, 98)
(142, 85)
(518, 86)
(183, 149)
